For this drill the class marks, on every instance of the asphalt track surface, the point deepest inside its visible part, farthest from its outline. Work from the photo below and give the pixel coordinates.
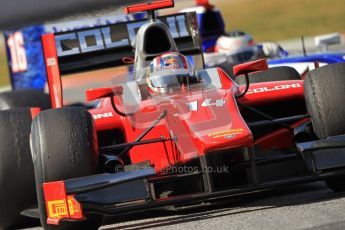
(304, 206)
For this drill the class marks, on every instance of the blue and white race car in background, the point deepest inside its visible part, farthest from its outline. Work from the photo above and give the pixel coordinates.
(222, 48)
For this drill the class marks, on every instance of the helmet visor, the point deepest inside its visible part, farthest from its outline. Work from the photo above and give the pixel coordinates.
(171, 78)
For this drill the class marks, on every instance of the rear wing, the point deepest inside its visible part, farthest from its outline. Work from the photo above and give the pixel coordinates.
(24, 50)
(105, 46)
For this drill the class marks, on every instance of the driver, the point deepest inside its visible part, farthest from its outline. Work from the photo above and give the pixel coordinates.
(240, 47)
(170, 72)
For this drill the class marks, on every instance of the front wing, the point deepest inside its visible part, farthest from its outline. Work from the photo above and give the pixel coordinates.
(135, 190)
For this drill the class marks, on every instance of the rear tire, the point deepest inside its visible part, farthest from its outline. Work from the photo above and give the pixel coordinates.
(63, 146)
(324, 90)
(24, 98)
(280, 73)
(17, 180)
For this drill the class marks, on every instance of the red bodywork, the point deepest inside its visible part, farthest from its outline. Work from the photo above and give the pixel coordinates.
(162, 4)
(248, 67)
(210, 128)
(58, 202)
(53, 71)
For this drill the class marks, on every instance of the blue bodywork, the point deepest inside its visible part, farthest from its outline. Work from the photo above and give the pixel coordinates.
(328, 58)
(211, 27)
(33, 77)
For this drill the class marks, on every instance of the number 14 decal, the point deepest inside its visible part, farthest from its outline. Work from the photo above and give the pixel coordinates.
(193, 106)
(18, 55)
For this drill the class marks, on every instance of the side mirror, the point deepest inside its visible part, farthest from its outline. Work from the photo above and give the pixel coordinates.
(93, 94)
(248, 67)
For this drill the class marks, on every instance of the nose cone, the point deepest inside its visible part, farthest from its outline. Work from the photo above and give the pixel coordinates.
(214, 123)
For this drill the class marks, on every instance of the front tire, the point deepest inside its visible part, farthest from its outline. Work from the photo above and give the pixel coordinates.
(324, 90)
(63, 147)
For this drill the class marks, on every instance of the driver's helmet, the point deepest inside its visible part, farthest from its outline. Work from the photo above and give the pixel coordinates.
(238, 46)
(169, 72)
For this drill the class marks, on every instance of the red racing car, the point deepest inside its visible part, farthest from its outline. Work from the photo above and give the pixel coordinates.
(168, 133)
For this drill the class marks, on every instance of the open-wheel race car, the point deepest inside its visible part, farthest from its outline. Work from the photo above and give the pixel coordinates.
(170, 133)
